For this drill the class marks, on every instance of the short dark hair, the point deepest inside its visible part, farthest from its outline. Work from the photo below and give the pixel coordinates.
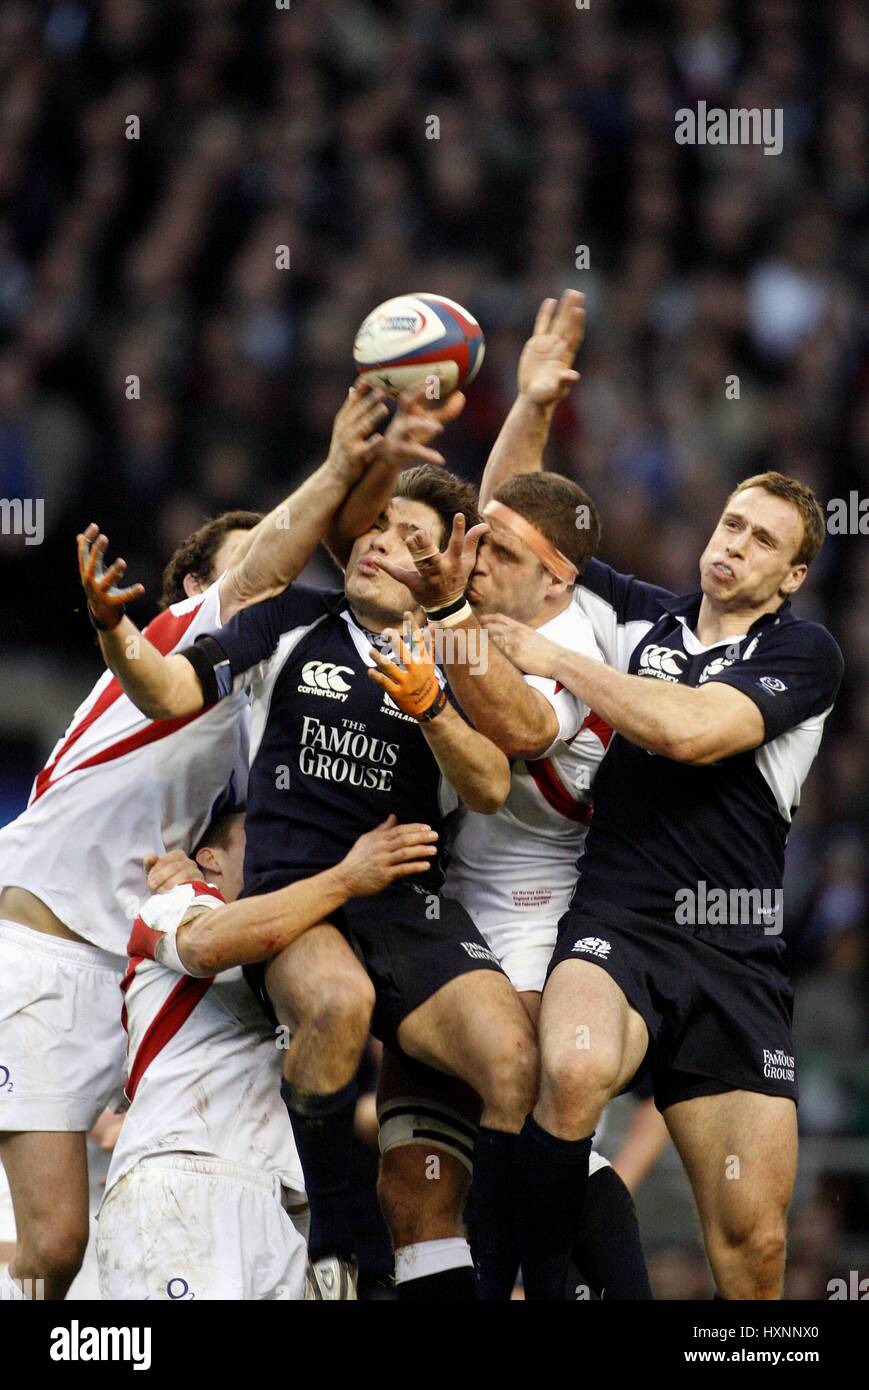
(806, 503)
(559, 508)
(443, 492)
(195, 555)
(218, 831)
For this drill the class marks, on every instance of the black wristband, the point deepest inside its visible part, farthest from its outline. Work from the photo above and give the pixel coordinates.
(102, 627)
(434, 709)
(437, 615)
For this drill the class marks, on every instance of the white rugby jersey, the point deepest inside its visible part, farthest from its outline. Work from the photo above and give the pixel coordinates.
(519, 865)
(119, 786)
(203, 1068)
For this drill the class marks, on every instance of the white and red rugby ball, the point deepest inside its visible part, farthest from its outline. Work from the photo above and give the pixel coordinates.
(414, 336)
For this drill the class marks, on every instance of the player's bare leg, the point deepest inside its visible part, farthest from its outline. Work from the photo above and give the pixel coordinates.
(740, 1153)
(591, 1045)
(475, 1028)
(319, 989)
(51, 1217)
(423, 1181)
(606, 1248)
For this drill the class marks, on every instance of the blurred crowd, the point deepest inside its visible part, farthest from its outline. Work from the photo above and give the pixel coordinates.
(156, 364)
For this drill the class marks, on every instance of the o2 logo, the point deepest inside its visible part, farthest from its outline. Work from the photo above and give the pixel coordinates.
(179, 1289)
(6, 1080)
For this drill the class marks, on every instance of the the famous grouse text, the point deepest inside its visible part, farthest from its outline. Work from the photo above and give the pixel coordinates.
(346, 754)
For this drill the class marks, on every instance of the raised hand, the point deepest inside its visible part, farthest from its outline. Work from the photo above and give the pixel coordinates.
(524, 645)
(545, 366)
(355, 440)
(415, 424)
(388, 852)
(438, 576)
(105, 602)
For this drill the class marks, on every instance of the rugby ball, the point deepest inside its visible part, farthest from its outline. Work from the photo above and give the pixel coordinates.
(414, 336)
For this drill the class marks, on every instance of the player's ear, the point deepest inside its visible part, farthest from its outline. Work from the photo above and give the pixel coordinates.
(794, 580)
(191, 586)
(207, 860)
(557, 587)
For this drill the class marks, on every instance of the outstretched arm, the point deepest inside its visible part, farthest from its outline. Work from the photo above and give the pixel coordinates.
(162, 687)
(256, 929)
(544, 376)
(277, 549)
(699, 725)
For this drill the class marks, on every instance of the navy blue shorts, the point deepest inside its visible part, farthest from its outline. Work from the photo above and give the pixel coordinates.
(411, 942)
(716, 1000)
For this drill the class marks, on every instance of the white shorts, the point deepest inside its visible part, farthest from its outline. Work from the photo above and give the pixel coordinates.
(62, 1046)
(524, 949)
(178, 1227)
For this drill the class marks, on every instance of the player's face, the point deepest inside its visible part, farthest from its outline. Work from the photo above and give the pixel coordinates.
(227, 553)
(508, 577)
(749, 559)
(377, 598)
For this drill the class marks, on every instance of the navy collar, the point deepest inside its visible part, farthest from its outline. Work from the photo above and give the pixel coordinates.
(687, 606)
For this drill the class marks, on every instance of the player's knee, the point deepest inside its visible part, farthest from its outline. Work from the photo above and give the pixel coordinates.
(508, 1081)
(750, 1256)
(342, 1005)
(422, 1194)
(578, 1081)
(52, 1250)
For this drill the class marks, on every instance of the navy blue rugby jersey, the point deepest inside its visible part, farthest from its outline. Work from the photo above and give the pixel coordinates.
(661, 827)
(331, 755)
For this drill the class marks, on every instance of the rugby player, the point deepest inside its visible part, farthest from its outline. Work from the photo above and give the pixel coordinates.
(718, 700)
(205, 1174)
(116, 785)
(514, 872)
(331, 751)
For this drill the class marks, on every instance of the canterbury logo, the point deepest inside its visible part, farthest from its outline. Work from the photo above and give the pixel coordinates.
(325, 678)
(662, 661)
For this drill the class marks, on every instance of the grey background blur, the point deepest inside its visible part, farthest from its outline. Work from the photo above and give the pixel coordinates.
(261, 127)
